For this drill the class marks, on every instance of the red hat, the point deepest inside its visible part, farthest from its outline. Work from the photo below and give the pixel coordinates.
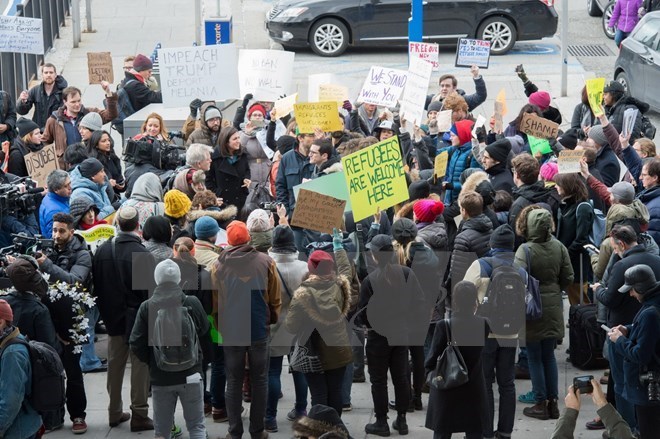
(541, 99)
(320, 263)
(256, 107)
(427, 211)
(141, 63)
(463, 129)
(6, 312)
(237, 233)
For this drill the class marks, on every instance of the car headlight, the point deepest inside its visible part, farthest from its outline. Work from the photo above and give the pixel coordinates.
(292, 12)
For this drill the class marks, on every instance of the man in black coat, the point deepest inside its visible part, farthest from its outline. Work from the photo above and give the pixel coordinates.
(495, 163)
(607, 162)
(119, 296)
(45, 97)
(135, 85)
(617, 102)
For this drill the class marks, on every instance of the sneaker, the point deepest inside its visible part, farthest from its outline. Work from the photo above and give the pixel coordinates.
(537, 411)
(270, 425)
(295, 414)
(176, 432)
(79, 426)
(527, 398)
(595, 424)
(219, 415)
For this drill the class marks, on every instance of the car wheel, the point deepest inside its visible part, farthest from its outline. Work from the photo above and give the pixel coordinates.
(622, 78)
(329, 37)
(500, 32)
(609, 31)
(593, 9)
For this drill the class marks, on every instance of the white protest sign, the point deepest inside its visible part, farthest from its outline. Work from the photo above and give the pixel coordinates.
(444, 120)
(314, 81)
(205, 72)
(426, 51)
(22, 35)
(383, 86)
(284, 106)
(417, 86)
(267, 74)
(472, 53)
(481, 121)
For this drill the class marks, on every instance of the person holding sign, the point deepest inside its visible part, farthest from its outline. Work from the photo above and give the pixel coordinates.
(616, 102)
(460, 158)
(449, 83)
(541, 99)
(253, 142)
(515, 126)
(229, 176)
(45, 97)
(28, 141)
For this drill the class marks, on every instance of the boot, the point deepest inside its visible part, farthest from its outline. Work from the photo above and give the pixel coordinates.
(538, 411)
(379, 428)
(139, 423)
(417, 403)
(400, 424)
(553, 409)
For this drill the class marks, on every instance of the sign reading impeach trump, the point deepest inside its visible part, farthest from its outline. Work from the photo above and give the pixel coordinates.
(375, 178)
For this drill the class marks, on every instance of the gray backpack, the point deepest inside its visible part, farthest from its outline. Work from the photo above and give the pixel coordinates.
(175, 342)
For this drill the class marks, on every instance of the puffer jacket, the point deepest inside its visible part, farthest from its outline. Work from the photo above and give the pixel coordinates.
(616, 111)
(573, 229)
(44, 104)
(527, 195)
(50, 205)
(460, 158)
(159, 250)
(82, 186)
(625, 16)
(147, 197)
(19, 149)
(434, 235)
(471, 243)
(651, 199)
(203, 134)
(72, 264)
(551, 266)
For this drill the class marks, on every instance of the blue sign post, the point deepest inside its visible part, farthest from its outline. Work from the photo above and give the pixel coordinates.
(416, 22)
(218, 31)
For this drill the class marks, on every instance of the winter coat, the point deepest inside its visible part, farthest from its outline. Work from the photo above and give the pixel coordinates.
(18, 420)
(206, 253)
(501, 178)
(473, 100)
(72, 264)
(258, 160)
(159, 250)
(222, 216)
(624, 15)
(574, 223)
(118, 294)
(460, 158)
(16, 162)
(147, 197)
(607, 164)
(447, 408)
(330, 166)
(551, 266)
(292, 170)
(651, 199)
(616, 426)
(7, 117)
(204, 134)
(33, 317)
(82, 186)
(616, 111)
(319, 309)
(261, 241)
(434, 235)
(44, 104)
(226, 179)
(50, 205)
(111, 164)
(292, 271)
(471, 243)
(582, 116)
(138, 92)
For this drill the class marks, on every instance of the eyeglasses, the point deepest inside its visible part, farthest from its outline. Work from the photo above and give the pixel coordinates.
(127, 68)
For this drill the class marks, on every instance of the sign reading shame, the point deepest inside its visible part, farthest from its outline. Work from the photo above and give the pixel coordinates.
(375, 178)
(205, 72)
(99, 67)
(22, 35)
(539, 127)
(41, 163)
(267, 74)
(383, 86)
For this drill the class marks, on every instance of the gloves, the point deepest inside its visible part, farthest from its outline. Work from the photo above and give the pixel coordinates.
(521, 73)
(246, 99)
(195, 104)
(433, 127)
(337, 240)
(347, 106)
(481, 134)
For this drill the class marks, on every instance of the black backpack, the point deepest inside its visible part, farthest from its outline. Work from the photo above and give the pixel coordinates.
(124, 107)
(504, 305)
(47, 393)
(648, 129)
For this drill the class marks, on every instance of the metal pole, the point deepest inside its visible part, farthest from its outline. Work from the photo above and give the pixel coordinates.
(88, 15)
(564, 48)
(217, 6)
(198, 22)
(75, 21)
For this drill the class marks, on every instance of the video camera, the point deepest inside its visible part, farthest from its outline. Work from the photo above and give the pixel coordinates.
(151, 150)
(34, 246)
(19, 203)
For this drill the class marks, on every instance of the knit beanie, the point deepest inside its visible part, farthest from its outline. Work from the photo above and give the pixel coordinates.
(258, 221)
(256, 107)
(499, 150)
(5, 311)
(206, 227)
(142, 63)
(549, 170)
(92, 121)
(569, 139)
(463, 129)
(177, 204)
(541, 99)
(419, 189)
(25, 126)
(167, 271)
(237, 233)
(285, 144)
(79, 207)
(503, 238)
(427, 211)
(212, 113)
(434, 106)
(597, 134)
(320, 263)
(283, 240)
(90, 167)
(404, 229)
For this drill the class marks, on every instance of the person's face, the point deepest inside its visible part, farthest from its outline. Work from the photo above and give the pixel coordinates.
(128, 66)
(48, 74)
(446, 87)
(105, 143)
(235, 142)
(647, 180)
(608, 99)
(61, 234)
(205, 164)
(65, 191)
(214, 124)
(257, 115)
(85, 133)
(306, 140)
(617, 246)
(73, 104)
(455, 140)
(89, 217)
(560, 191)
(433, 115)
(153, 127)
(634, 294)
(315, 156)
(386, 134)
(99, 177)
(370, 107)
(146, 74)
(198, 187)
(638, 149)
(36, 136)
(489, 161)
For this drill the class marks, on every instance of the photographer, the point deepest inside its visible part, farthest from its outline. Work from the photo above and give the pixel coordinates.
(17, 219)
(639, 344)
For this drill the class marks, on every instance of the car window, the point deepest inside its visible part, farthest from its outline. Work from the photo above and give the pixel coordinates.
(648, 33)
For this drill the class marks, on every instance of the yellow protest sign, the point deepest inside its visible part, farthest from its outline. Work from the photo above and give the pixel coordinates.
(501, 97)
(375, 178)
(332, 92)
(440, 166)
(595, 94)
(97, 235)
(311, 115)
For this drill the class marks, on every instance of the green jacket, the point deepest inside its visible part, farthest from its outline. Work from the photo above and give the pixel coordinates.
(615, 425)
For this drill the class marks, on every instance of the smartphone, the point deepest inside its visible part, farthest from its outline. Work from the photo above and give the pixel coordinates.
(258, 123)
(606, 328)
(591, 248)
(583, 384)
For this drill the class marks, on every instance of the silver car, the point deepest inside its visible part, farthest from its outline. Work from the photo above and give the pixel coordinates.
(604, 8)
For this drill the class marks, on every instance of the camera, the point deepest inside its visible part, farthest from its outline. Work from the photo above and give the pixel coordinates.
(153, 151)
(268, 205)
(651, 379)
(583, 384)
(34, 246)
(14, 202)
(175, 134)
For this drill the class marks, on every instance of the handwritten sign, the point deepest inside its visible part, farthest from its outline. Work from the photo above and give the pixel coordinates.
(41, 163)
(375, 178)
(472, 53)
(333, 92)
(97, 235)
(318, 212)
(284, 106)
(383, 86)
(444, 120)
(99, 67)
(425, 51)
(569, 161)
(414, 95)
(315, 80)
(22, 35)
(333, 185)
(595, 94)
(205, 72)
(481, 121)
(311, 115)
(537, 126)
(267, 74)
(440, 166)
(500, 111)
(538, 146)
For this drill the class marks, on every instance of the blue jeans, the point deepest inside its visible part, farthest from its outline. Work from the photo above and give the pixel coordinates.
(619, 36)
(543, 369)
(522, 359)
(218, 377)
(88, 359)
(499, 363)
(275, 387)
(625, 409)
(347, 385)
(164, 400)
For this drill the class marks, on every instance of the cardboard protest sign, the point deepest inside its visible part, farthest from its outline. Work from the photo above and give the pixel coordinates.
(569, 161)
(472, 53)
(440, 165)
(318, 212)
(383, 86)
(311, 115)
(315, 80)
(595, 94)
(21, 35)
(333, 185)
(541, 146)
(537, 126)
(97, 235)
(41, 163)
(267, 74)
(375, 178)
(284, 106)
(414, 95)
(426, 51)
(205, 72)
(333, 92)
(444, 120)
(99, 67)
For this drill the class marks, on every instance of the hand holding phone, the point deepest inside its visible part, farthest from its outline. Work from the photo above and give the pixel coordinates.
(606, 328)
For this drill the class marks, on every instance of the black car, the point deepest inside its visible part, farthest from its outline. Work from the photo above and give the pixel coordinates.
(329, 27)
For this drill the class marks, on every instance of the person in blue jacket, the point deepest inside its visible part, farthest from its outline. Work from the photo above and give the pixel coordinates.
(89, 179)
(460, 158)
(55, 201)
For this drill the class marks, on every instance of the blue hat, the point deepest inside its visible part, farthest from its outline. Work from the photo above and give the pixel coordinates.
(206, 227)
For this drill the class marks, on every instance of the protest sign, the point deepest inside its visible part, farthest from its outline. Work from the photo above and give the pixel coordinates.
(537, 126)
(569, 161)
(540, 146)
(444, 120)
(595, 94)
(426, 51)
(205, 72)
(414, 95)
(383, 86)
(375, 178)
(481, 121)
(318, 212)
(629, 119)
(97, 235)
(323, 115)
(472, 53)
(315, 80)
(266, 74)
(99, 67)
(41, 163)
(333, 185)
(284, 106)
(440, 165)
(21, 35)
(333, 92)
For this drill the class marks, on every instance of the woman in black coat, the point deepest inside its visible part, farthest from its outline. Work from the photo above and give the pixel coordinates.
(229, 176)
(463, 408)
(27, 141)
(102, 147)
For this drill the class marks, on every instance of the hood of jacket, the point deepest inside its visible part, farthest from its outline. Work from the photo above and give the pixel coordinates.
(318, 296)
(479, 223)
(473, 180)
(78, 181)
(534, 193)
(202, 110)
(222, 215)
(168, 292)
(620, 212)
(148, 188)
(435, 235)
(261, 240)
(539, 225)
(643, 107)
(239, 257)
(333, 164)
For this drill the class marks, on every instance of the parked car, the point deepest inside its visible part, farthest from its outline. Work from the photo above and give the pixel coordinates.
(604, 8)
(329, 27)
(638, 65)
